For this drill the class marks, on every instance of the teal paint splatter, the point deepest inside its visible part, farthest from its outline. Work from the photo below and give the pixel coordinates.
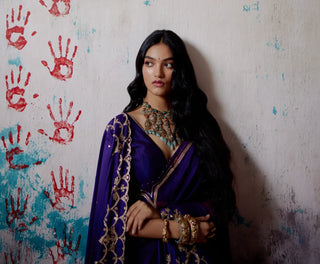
(2, 159)
(147, 3)
(74, 23)
(274, 110)
(88, 49)
(282, 76)
(246, 8)
(240, 220)
(256, 6)
(16, 61)
(287, 229)
(81, 192)
(93, 31)
(128, 56)
(285, 112)
(299, 211)
(276, 44)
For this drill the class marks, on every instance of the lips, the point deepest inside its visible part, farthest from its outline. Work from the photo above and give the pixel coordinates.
(158, 83)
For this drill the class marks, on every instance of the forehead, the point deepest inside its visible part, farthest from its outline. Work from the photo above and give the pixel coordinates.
(159, 51)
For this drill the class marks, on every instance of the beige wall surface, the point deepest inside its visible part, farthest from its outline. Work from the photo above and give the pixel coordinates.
(64, 69)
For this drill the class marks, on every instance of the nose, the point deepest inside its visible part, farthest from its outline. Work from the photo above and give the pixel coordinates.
(158, 71)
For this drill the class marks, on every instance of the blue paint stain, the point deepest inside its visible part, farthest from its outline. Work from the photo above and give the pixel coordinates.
(93, 31)
(88, 49)
(147, 3)
(274, 110)
(74, 23)
(287, 229)
(54, 100)
(256, 6)
(246, 8)
(277, 45)
(128, 56)
(2, 159)
(241, 220)
(285, 112)
(299, 211)
(282, 75)
(16, 61)
(81, 192)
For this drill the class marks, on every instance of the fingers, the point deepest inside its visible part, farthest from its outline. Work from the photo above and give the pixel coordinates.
(203, 218)
(137, 214)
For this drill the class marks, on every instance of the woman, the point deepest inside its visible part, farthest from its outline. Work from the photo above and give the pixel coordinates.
(163, 191)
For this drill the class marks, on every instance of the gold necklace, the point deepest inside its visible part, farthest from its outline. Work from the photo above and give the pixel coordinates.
(158, 123)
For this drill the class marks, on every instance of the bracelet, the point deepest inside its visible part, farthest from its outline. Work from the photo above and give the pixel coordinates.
(184, 231)
(165, 230)
(194, 228)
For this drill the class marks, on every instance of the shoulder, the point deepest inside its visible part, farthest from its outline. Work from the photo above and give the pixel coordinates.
(118, 125)
(119, 119)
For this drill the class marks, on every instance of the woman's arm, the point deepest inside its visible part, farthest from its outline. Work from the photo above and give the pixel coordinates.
(144, 221)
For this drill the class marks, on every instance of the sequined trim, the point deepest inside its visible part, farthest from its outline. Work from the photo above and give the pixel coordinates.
(120, 193)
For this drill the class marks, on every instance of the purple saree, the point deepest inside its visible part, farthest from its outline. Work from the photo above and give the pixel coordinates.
(128, 154)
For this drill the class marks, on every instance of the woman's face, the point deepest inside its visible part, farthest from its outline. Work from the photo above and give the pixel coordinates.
(157, 70)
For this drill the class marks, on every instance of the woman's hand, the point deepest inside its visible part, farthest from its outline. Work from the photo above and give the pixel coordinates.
(137, 214)
(205, 228)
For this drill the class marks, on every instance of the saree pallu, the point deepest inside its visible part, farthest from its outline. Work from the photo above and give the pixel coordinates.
(128, 155)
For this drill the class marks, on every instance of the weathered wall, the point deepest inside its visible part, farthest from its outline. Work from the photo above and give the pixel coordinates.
(258, 62)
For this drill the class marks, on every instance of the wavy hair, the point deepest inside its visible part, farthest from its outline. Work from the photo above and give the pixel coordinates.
(193, 121)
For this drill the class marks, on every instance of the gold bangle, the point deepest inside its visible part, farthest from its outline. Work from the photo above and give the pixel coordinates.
(184, 231)
(194, 228)
(165, 230)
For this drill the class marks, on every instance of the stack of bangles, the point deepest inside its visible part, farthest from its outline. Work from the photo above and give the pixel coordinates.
(189, 230)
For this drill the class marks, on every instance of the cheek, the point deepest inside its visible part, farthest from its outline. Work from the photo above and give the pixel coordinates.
(147, 73)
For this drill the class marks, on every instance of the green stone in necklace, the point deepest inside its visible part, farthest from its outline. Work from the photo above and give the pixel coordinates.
(158, 123)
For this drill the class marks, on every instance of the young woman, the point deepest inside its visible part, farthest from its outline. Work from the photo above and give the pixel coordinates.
(163, 191)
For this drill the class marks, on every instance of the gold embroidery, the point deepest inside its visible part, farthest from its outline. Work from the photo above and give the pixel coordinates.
(120, 195)
(152, 197)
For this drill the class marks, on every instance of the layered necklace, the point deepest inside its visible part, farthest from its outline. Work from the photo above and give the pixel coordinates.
(159, 123)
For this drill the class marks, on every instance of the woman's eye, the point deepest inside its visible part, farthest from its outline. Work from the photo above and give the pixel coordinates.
(148, 63)
(169, 65)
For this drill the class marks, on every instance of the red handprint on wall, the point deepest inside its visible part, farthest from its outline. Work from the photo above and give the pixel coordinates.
(18, 41)
(65, 249)
(16, 216)
(63, 196)
(62, 126)
(17, 90)
(14, 153)
(58, 7)
(63, 67)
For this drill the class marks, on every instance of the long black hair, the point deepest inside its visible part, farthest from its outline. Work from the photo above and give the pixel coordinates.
(193, 121)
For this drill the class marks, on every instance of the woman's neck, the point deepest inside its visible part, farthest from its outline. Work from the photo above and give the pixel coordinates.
(159, 103)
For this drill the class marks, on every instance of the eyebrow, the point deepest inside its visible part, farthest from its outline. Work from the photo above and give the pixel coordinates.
(151, 58)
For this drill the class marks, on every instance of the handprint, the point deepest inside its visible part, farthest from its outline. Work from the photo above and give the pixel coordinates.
(17, 90)
(66, 247)
(15, 216)
(62, 125)
(17, 29)
(63, 192)
(14, 155)
(21, 255)
(58, 7)
(12, 258)
(61, 63)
